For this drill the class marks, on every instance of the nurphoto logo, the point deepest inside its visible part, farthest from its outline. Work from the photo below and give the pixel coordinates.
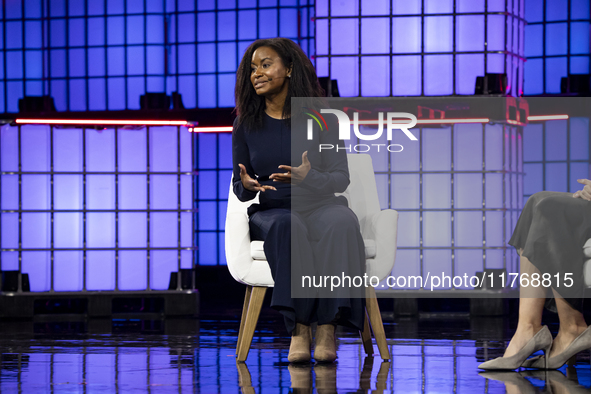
(394, 121)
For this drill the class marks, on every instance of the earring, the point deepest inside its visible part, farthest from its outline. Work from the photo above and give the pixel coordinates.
(289, 76)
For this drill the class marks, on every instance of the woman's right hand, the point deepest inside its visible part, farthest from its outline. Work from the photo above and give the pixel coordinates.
(585, 194)
(252, 184)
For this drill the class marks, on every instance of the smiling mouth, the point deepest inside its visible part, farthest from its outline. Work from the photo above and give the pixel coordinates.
(259, 84)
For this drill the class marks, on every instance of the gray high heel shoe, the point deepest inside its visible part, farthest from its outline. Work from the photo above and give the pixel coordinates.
(582, 342)
(541, 341)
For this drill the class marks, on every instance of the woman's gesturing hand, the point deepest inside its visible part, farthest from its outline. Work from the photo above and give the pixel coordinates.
(252, 184)
(585, 194)
(293, 175)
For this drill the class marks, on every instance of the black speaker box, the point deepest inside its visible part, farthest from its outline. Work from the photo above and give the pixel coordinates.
(10, 281)
(187, 276)
(334, 87)
(576, 83)
(155, 101)
(36, 104)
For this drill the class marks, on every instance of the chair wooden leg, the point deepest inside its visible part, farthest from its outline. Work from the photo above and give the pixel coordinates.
(366, 336)
(252, 316)
(243, 318)
(377, 325)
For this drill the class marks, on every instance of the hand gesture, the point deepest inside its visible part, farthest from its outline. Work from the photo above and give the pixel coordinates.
(252, 184)
(585, 194)
(293, 175)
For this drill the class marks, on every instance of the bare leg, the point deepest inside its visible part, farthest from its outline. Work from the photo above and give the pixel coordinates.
(572, 324)
(531, 306)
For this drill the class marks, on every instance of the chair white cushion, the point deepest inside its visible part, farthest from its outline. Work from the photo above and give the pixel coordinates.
(587, 248)
(587, 265)
(257, 252)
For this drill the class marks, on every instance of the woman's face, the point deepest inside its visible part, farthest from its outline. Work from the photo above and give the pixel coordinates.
(268, 75)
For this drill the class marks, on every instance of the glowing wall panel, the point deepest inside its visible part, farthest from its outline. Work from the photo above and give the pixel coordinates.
(484, 201)
(102, 55)
(556, 43)
(86, 209)
(419, 47)
(458, 193)
(214, 171)
(555, 155)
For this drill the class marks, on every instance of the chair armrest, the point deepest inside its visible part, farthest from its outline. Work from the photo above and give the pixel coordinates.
(237, 237)
(383, 228)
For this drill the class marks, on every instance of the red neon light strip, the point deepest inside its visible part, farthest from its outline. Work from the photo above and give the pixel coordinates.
(533, 118)
(430, 121)
(104, 122)
(448, 121)
(221, 129)
(228, 129)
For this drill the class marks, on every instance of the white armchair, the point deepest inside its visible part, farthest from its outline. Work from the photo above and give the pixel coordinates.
(587, 264)
(248, 265)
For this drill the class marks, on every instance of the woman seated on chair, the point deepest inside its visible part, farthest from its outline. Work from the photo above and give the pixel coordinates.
(549, 236)
(324, 231)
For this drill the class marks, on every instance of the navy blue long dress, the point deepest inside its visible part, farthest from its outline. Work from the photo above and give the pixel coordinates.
(314, 230)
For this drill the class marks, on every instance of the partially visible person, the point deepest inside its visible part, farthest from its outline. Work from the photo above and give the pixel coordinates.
(549, 236)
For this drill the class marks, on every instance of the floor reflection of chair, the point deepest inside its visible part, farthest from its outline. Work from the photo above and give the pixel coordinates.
(381, 378)
(244, 379)
(248, 265)
(365, 375)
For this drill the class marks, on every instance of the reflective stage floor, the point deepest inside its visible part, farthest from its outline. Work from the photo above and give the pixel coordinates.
(429, 355)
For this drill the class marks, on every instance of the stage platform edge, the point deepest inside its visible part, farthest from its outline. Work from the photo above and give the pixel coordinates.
(124, 304)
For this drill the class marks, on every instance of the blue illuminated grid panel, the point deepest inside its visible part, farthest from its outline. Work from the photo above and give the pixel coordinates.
(458, 194)
(213, 163)
(103, 54)
(466, 245)
(555, 155)
(556, 43)
(86, 209)
(419, 47)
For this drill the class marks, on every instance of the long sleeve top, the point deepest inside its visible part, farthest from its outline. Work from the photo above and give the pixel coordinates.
(263, 151)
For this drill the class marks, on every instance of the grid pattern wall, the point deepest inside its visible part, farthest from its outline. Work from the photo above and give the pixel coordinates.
(556, 42)
(103, 54)
(458, 194)
(555, 155)
(85, 209)
(450, 225)
(214, 172)
(419, 47)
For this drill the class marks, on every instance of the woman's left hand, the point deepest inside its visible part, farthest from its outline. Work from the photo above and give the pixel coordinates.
(293, 175)
(585, 194)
